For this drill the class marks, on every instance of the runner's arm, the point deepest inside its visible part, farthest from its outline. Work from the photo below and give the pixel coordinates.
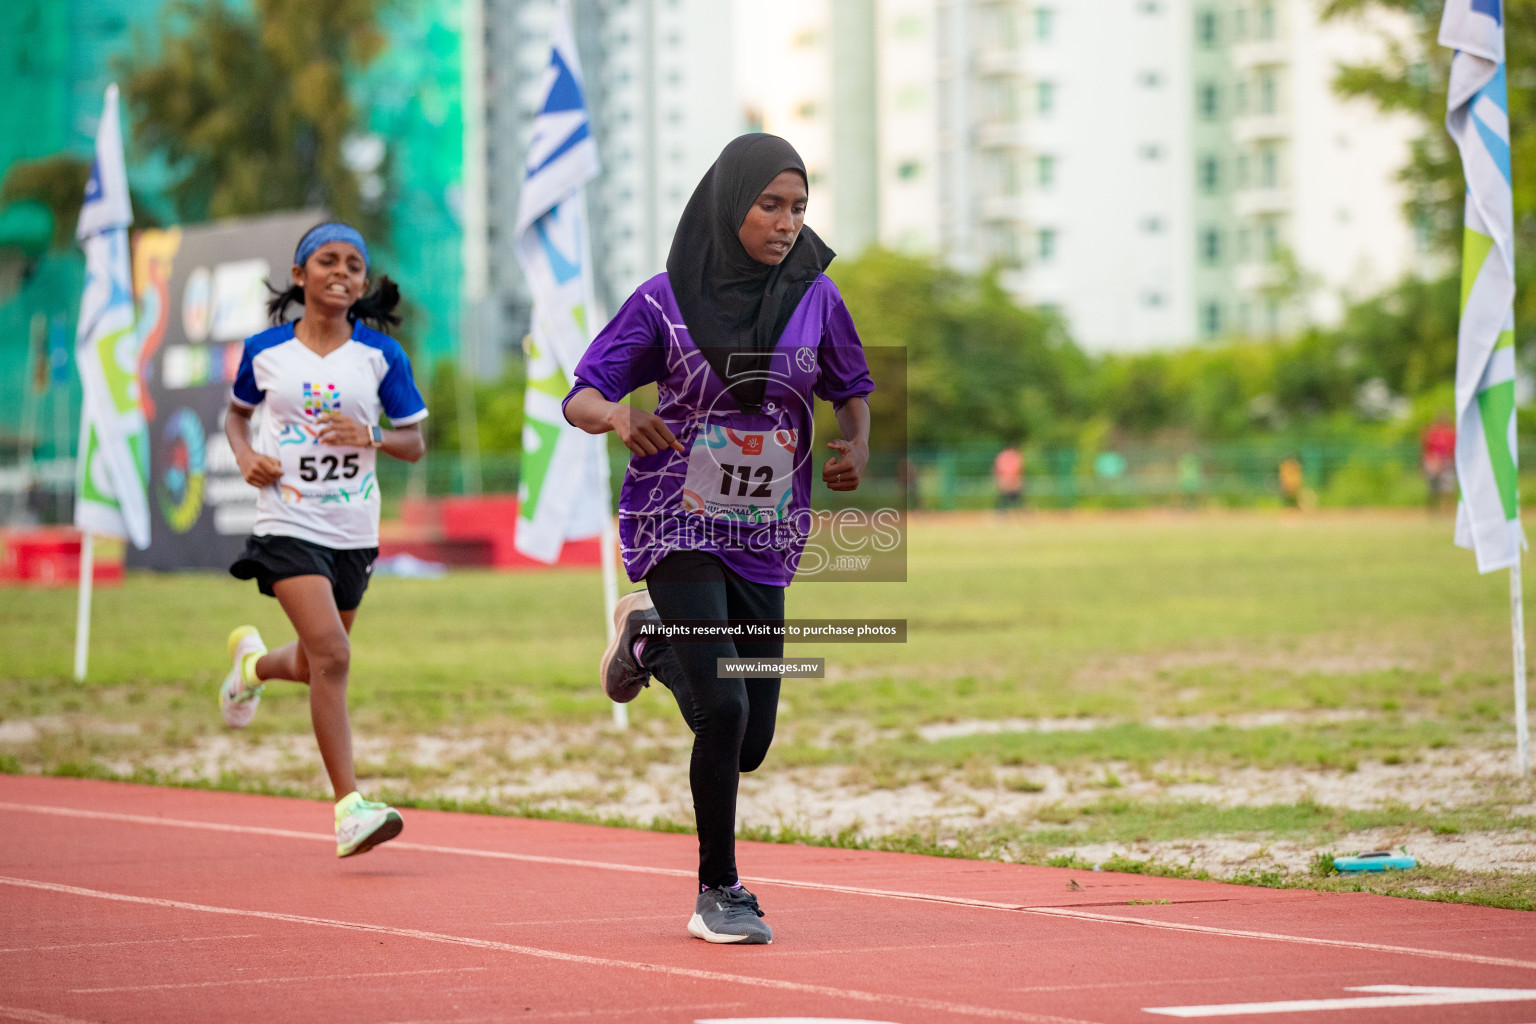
(404, 443)
(258, 470)
(643, 433)
(844, 472)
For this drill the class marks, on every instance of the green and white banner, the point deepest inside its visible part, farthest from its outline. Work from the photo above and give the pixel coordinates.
(113, 460)
(1488, 517)
(563, 488)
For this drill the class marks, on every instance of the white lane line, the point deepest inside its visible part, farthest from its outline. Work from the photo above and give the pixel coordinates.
(398, 844)
(851, 890)
(271, 981)
(123, 942)
(37, 1016)
(569, 1014)
(551, 954)
(1392, 996)
(1240, 933)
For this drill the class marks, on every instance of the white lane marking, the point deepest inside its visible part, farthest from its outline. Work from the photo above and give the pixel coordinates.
(397, 844)
(123, 942)
(895, 894)
(567, 1014)
(551, 954)
(270, 981)
(1240, 933)
(1392, 996)
(37, 1016)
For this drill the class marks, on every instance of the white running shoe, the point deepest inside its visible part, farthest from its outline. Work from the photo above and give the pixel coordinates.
(241, 691)
(362, 824)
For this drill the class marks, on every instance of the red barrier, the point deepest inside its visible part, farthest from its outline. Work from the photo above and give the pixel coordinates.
(49, 556)
(470, 531)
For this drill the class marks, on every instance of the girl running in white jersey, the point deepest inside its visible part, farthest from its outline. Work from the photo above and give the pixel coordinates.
(324, 380)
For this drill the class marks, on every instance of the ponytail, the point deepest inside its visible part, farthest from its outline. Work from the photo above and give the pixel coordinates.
(376, 309)
(277, 306)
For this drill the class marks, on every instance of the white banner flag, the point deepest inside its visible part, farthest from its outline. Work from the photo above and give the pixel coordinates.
(113, 459)
(563, 483)
(1477, 117)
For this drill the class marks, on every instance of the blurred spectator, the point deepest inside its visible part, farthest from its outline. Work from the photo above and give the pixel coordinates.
(1437, 451)
(1191, 479)
(1290, 482)
(907, 480)
(1109, 465)
(1008, 475)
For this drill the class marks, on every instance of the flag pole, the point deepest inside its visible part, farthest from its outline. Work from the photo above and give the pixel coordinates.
(1517, 625)
(83, 607)
(609, 539)
(610, 542)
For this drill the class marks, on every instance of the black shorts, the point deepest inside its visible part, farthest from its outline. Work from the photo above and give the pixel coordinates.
(269, 559)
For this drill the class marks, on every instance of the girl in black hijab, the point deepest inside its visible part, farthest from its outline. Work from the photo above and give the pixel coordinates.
(741, 335)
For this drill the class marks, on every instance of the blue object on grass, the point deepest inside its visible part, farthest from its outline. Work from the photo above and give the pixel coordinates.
(1375, 860)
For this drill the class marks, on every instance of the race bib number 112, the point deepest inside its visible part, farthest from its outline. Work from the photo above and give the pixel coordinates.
(745, 475)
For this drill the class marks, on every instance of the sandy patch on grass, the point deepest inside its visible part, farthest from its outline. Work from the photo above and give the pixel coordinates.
(642, 776)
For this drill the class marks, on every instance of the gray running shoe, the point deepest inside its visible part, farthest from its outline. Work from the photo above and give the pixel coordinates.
(729, 915)
(624, 677)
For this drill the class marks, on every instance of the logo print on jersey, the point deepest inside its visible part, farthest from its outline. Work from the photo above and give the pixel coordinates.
(319, 398)
(805, 358)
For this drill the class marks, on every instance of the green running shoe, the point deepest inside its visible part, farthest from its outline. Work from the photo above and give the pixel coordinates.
(362, 824)
(240, 692)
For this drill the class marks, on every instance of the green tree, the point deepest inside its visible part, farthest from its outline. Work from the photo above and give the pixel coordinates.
(1410, 77)
(979, 368)
(58, 182)
(251, 107)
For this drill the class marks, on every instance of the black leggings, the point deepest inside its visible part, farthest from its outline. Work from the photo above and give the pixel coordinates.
(732, 719)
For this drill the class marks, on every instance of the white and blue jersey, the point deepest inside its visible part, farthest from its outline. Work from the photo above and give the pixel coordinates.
(328, 494)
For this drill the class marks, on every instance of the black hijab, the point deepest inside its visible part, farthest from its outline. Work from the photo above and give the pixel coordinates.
(732, 304)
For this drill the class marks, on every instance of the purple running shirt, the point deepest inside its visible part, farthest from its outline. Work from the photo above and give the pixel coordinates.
(742, 491)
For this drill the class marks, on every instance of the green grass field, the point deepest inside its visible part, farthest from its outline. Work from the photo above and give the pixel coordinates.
(1121, 655)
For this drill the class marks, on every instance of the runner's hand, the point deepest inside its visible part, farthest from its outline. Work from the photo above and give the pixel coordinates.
(642, 432)
(259, 470)
(844, 472)
(342, 431)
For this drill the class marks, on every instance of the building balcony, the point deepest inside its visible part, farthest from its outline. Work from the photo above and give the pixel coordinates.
(1258, 54)
(1261, 127)
(1255, 202)
(994, 208)
(998, 61)
(1000, 133)
(1256, 277)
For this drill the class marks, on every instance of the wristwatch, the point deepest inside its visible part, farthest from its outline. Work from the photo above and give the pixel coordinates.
(375, 436)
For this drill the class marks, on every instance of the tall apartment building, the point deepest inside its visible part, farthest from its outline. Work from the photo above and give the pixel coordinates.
(808, 73)
(1296, 182)
(1159, 171)
(658, 82)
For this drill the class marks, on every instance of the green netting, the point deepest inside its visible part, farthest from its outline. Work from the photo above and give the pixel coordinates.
(412, 98)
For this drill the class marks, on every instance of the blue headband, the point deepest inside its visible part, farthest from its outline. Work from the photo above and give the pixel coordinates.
(333, 232)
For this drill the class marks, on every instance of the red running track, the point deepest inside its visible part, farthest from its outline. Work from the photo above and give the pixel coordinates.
(123, 903)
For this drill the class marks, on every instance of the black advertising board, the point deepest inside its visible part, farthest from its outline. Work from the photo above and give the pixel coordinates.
(201, 291)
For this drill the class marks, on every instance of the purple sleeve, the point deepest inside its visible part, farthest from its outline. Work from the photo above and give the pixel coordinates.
(843, 371)
(626, 354)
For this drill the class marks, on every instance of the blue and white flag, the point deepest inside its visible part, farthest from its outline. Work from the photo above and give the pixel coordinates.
(1477, 117)
(563, 483)
(113, 460)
